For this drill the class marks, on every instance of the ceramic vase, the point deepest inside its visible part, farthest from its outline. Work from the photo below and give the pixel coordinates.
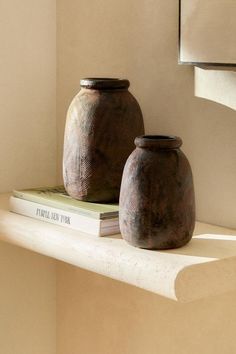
(102, 122)
(157, 206)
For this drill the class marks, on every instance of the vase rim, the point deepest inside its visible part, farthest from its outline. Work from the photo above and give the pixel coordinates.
(104, 83)
(158, 141)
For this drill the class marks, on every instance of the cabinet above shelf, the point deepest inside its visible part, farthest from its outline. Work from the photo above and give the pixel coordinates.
(204, 267)
(207, 32)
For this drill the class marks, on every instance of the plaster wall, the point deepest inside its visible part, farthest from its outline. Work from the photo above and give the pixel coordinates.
(27, 159)
(27, 302)
(138, 39)
(27, 93)
(97, 315)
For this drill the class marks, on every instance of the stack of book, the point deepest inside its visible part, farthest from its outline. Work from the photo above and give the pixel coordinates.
(54, 205)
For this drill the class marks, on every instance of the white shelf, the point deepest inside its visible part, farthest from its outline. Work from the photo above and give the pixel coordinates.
(216, 84)
(206, 266)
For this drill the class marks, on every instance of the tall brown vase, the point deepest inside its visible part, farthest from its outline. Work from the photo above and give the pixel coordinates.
(157, 207)
(102, 122)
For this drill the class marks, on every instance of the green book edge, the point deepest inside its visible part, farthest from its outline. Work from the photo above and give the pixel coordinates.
(57, 197)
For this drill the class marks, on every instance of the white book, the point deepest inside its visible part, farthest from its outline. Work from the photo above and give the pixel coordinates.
(60, 217)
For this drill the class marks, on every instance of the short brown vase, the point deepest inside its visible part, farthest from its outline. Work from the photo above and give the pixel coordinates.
(157, 206)
(102, 122)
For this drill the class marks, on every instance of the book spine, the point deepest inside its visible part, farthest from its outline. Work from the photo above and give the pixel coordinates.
(56, 216)
(52, 203)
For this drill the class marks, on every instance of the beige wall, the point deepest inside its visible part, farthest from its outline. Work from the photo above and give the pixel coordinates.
(27, 158)
(27, 93)
(27, 302)
(138, 39)
(97, 315)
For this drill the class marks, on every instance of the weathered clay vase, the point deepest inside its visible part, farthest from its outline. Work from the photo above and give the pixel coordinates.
(157, 207)
(102, 122)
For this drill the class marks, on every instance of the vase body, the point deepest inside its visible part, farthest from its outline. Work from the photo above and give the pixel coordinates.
(157, 206)
(102, 123)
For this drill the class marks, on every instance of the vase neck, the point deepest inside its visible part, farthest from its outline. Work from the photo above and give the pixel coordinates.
(104, 83)
(158, 142)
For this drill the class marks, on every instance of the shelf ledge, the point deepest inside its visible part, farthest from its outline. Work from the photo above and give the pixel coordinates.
(216, 84)
(204, 267)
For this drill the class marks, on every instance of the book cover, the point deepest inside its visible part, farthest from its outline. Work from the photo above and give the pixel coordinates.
(57, 197)
(68, 219)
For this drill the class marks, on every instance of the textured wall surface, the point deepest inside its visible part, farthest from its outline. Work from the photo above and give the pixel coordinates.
(27, 302)
(138, 39)
(27, 158)
(97, 315)
(27, 93)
